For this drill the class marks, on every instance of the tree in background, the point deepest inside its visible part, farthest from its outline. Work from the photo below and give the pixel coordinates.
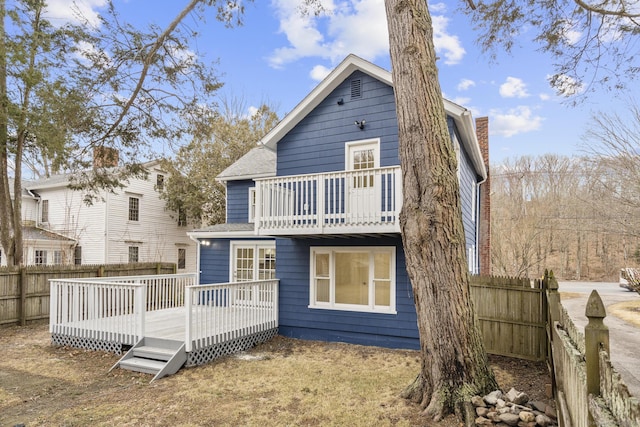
(69, 90)
(191, 187)
(454, 363)
(595, 44)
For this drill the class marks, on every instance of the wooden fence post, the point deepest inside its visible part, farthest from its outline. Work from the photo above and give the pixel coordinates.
(23, 296)
(550, 285)
(596, 335)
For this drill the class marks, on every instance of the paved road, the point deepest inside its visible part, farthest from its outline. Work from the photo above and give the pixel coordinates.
(624, 338)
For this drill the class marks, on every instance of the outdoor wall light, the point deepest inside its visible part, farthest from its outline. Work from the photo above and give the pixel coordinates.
(360, 123)
(340, 101)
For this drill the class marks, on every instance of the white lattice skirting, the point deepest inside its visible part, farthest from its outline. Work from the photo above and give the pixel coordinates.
(86, 343)
(207, 354)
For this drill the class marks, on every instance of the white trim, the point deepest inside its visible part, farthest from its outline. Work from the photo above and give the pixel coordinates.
(253, 202)
(350, 64)
(351, 144)
(253, 244)
(221, 234)
(332, 305)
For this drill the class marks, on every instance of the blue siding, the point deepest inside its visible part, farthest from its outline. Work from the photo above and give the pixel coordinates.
(317, 143)
(214, 262)
(238, 200)
(299, 321)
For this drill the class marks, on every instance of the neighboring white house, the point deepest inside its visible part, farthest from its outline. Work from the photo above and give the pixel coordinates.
(131, 225)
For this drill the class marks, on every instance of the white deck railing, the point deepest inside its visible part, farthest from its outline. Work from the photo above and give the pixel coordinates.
(113, 308)
(366, 200)
(224, 312)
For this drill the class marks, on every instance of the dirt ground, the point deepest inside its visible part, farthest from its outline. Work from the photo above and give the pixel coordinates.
(282, 382)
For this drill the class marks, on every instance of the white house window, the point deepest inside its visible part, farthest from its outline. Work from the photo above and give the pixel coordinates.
(252, 204)
(133, 254)
(57, 257)
(40, 257)
(182, 258)
(159, 182)
(252, 261)
(134, 209)
(77, 255)
(353, 278)
(182, 217)
(45, 211)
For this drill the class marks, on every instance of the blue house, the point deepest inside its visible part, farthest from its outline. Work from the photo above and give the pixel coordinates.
(316, 206)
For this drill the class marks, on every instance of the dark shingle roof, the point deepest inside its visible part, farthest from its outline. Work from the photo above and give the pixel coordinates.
(260, 162)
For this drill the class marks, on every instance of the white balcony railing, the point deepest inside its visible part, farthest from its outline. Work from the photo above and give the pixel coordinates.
(361, 201)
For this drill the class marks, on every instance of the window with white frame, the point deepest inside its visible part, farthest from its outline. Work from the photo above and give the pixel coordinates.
(182, 258)
(252, 204)
(251, 260)
(353, 278)
(57, 257)
(40, 257)
(134, 209)
(133, 254)
(45, 211)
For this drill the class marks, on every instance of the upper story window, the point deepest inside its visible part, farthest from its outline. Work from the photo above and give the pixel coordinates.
(57, 257)
(159, 182)
(134, 209)
(45, 211)
(77, 255)
(182, 217)
(252, 204)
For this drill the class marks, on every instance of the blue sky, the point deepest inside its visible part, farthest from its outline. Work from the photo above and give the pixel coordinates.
(278, 57)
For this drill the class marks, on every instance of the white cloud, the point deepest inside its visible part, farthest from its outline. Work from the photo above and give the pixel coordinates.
(446, 44)
(513, 88)
(319, 72)
(465, 84)
(544, 96)
(352, 26)
(60, 12)
(513, 122)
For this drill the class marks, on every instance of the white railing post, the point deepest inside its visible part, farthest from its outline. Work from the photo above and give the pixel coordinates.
(188, 318)
(140, 309)
(53, 305)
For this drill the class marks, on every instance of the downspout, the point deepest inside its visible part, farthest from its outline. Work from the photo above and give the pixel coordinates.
(106, 228)
(198, 271)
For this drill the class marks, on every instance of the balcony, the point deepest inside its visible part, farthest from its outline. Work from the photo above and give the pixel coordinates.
(365, 201)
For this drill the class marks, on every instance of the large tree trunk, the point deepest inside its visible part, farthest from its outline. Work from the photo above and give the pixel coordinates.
(454, 362)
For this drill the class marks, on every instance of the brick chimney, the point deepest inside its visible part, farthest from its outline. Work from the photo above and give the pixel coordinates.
(105, 157)
(484, 219)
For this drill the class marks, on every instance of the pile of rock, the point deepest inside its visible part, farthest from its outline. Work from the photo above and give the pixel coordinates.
(512, 409)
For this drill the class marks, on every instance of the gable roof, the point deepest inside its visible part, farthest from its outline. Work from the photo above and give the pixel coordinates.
(461, 116)
(63, 179)
(260, 162)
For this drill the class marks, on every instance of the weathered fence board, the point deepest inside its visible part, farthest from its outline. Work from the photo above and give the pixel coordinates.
(511, 315)
(24, 292)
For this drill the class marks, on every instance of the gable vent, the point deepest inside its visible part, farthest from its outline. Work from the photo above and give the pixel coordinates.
(356, 88)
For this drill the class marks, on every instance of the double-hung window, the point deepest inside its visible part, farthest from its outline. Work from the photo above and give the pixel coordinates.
(353, 278)
(134, 209)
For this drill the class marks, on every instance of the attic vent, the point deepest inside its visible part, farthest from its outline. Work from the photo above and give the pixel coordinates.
(356, 88)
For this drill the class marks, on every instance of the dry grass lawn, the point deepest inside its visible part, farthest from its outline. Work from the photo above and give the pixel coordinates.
(283, 382)
(629, 311)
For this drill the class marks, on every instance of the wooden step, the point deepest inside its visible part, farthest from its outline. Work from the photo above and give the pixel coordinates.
(154, 353)
(138, 364)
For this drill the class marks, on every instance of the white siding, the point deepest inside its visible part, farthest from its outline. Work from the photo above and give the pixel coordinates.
(104, 231)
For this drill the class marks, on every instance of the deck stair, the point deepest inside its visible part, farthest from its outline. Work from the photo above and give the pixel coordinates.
(155, 356)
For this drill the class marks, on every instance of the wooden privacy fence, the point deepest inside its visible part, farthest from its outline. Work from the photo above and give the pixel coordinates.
(512, 316)
(24, 291)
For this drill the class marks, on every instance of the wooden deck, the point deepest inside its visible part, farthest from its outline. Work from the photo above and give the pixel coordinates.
(210, 320)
